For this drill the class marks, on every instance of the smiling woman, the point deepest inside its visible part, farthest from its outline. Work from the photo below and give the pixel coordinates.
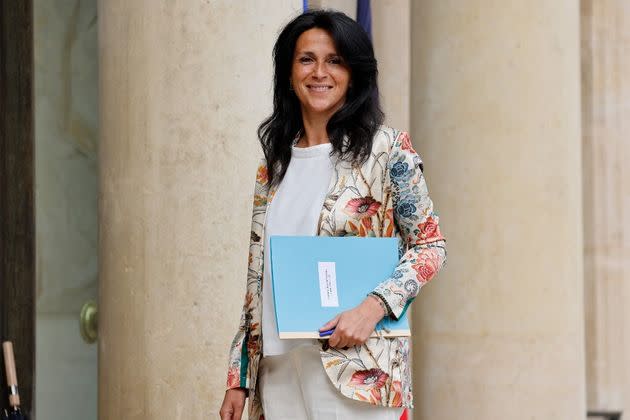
(331, 169)
(319, 77)
(325, 90)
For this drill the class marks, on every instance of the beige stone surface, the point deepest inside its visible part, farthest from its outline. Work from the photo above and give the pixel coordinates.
(349, 7)
(495, 113)
(606, 131)
(391, 27)
(183, 87)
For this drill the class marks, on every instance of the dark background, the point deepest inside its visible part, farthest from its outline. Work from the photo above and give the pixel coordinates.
(17, 210)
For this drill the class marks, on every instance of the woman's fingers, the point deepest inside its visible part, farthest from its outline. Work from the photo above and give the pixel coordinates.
(333, 341)
(353, 341)
(330, 324)
(352, 328)
(225, 414)
(340, 342)
(233, 403)
(238, 411)
(342, 337)
(339, 337)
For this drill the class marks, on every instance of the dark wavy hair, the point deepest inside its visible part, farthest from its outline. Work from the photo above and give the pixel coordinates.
(358, 118)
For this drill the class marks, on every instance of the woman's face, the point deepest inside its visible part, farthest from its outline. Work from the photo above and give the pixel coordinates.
(319, 75)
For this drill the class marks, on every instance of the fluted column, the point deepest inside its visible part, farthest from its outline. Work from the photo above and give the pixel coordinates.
(495, 113)
(606, 128)
(349, 7)
(183, 85)
(392, 38)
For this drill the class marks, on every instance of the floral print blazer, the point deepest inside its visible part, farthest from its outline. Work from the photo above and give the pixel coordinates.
(385, 196)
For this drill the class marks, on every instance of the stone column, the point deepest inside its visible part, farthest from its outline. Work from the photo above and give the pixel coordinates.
(495, 113)
(391, 27)
(606, 127)
(183, 86)
(349, 7)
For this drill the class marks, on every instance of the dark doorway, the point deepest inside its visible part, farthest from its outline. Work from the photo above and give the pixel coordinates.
(17, 210)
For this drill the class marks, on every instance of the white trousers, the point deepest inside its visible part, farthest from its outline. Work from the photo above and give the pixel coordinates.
(294, 386)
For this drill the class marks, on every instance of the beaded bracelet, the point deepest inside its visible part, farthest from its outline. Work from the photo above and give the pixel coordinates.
(380, 302)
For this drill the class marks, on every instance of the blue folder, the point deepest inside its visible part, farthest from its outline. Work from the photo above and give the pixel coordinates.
(314, 278)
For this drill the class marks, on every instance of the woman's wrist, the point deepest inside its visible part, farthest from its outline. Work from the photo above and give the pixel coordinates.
(380, 303)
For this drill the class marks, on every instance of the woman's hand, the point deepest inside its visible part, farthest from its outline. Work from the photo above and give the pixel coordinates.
(233, 404)
(354, 327)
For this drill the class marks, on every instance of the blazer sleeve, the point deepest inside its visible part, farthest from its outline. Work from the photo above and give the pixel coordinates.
(418, 223)
(248, 333)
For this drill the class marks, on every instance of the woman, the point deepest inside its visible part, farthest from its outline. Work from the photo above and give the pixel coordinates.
(331, 169)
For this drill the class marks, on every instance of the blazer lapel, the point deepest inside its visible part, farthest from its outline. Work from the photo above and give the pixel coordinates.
(341, 173)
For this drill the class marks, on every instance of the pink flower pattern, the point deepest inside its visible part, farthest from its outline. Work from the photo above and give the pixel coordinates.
(368, 379)
(386, 196)
(362, 207)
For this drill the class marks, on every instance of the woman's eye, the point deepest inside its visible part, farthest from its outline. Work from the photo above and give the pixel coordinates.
(305, 60)
(335, 60)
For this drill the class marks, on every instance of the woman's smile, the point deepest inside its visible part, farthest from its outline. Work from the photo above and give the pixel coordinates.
(319, 88)
(319, 75)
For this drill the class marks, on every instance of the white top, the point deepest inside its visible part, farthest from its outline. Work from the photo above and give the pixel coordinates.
(294, 211)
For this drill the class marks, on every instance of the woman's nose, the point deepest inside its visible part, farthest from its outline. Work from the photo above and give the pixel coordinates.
(319, 71)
